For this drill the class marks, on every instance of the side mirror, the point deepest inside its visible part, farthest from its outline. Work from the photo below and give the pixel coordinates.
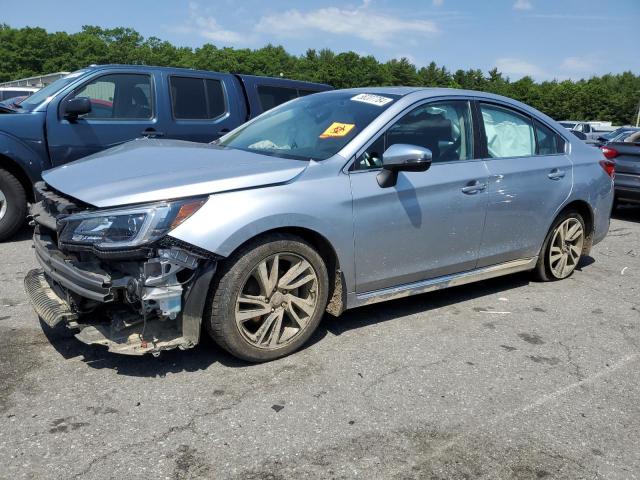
(77, 106)
(402, 157)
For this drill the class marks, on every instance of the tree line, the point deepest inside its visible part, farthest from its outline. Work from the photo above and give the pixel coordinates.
(33, 51)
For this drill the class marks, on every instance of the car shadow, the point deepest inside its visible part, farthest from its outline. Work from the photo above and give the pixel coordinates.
(629, 213)
(207, 353)
(391, 310)
(25, 233)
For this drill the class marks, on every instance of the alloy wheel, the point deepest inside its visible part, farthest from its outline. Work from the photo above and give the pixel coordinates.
(3, 205)
(566, 247)
(277, 300)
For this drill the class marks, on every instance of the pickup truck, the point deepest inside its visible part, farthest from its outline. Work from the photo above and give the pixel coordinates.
(102, 106)
(590, 131)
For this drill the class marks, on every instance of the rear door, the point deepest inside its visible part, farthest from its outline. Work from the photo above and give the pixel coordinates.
(530, 177)
(203, 106)
(124, 107)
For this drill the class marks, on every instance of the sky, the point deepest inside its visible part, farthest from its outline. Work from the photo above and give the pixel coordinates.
(545, 39)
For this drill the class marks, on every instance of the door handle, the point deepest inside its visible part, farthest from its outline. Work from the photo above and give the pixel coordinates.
(556, 174)
(474, 187)
(222, 132)
(152, 132)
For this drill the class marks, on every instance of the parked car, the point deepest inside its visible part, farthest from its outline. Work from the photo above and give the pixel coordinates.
(329, 202)
(7, 93)
(626, 156)
(102, 106)
(590, 131)
(13, 102)
(617, 135)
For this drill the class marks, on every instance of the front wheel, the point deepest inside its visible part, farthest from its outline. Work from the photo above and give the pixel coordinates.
(268, 299)
(13, 205)
(562, 248)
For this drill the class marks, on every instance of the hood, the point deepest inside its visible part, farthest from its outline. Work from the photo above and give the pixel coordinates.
(151, 170)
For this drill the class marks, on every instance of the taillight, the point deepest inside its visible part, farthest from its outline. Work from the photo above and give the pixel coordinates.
(609, 167)
(609, 152)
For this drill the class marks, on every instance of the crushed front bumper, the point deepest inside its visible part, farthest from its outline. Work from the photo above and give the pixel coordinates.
(85, 297)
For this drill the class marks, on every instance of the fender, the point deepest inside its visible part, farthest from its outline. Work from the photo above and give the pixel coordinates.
(20, 154)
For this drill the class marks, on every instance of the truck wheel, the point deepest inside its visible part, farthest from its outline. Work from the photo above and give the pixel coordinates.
(13, 205)
(562, 248)
(268, 298)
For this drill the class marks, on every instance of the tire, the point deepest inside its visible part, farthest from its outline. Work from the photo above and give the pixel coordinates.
(548, 267)
(13, 205)
(274, 333)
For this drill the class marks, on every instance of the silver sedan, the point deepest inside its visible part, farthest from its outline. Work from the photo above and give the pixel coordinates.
(325, 203)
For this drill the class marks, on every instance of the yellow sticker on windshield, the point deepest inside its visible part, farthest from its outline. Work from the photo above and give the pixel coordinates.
(337, 129)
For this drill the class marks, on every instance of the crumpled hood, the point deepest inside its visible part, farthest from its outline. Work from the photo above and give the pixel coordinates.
(150, 170)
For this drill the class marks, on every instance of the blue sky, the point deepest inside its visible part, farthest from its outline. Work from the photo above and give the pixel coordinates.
(542, 38)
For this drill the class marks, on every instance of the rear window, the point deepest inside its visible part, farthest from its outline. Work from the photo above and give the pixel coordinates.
(549, 142)
(273, 96)
(195, 98)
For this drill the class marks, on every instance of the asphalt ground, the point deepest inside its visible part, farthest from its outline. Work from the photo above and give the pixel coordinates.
(507, 378)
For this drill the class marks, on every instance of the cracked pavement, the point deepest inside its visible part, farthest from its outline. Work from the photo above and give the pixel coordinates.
(503, 379)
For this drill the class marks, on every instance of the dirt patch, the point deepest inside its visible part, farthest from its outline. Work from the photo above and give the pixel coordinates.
(190, 464)
(19, 355)
(425, 453)
(531, 338)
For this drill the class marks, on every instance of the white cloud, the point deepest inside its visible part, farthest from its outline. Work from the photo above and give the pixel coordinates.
(207, 26)
(577, 64)
(438, 3)
(361, 22)
(522, 5)
(519, 68)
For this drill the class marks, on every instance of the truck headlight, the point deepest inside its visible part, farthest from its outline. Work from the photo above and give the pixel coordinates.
(126, 227)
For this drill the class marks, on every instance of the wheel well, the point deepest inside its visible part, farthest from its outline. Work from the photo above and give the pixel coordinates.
(337, 287)
(14, 169)
(584, 209)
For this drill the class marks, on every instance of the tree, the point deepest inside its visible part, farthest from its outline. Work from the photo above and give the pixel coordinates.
(32, 51)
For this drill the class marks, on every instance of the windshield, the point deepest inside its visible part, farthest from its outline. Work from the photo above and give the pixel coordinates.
(41, 95)
(314, 127)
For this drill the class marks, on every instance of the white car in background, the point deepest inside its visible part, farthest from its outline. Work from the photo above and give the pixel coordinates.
(591, 130)
(7, 93)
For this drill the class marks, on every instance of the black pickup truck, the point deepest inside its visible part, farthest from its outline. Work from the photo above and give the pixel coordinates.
(102, 106)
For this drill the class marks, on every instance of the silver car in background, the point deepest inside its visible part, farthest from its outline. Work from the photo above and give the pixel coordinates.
(326, 203)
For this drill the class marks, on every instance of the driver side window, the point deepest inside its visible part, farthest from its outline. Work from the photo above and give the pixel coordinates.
(442, 127)
(118, 96)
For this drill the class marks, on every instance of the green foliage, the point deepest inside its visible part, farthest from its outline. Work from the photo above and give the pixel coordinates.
(31, 51)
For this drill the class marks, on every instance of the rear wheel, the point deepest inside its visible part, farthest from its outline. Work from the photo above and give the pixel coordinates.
(562, 247)
(13, 205)
(268, 299)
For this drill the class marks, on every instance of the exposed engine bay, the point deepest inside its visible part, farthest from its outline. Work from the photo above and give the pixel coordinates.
(144, 299)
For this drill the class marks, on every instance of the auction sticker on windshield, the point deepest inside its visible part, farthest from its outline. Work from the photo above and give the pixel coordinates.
(372, 99)
(337, 129)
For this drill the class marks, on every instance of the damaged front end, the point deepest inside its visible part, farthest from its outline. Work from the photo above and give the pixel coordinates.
(116, 276)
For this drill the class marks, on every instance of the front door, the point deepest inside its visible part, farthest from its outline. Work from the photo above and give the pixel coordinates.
(430, 223)
(122, 108)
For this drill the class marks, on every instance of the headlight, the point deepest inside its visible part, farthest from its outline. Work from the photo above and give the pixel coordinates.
(126, 227)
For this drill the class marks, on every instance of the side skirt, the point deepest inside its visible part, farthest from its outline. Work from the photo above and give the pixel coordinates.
(439, 283)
